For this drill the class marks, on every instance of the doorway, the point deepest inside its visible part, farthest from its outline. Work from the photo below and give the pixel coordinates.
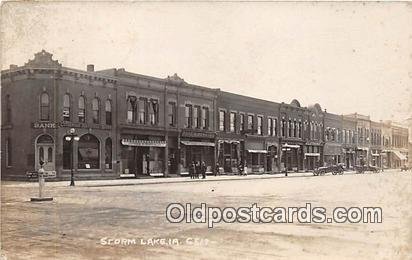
(45, 152)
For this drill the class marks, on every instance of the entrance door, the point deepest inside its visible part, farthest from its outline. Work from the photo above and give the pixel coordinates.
(45, 153)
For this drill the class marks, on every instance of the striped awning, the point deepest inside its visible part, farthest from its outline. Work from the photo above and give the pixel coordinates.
(198, 143)
(312, 154)
(290, 146)
(144, 143)
(257, 151)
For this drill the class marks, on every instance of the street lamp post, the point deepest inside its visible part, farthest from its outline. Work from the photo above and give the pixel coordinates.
(71, 137)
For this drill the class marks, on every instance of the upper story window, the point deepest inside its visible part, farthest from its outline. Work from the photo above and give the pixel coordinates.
(250, 122)
(82, 110)
(259, 125)
(96, 110)
(142, 104)
(283, 126)
(242, 122)
(300, 129)
(44, 107)
(188, 116)
(270, 126)
(153, 111)
(196, 117)
(66, 107)
(8, 150)
(276, 126)
(294, 128)
(108, 109)
(290, 128)
(232, 122)
(205, 118)
(8, 110)
(131, 109)
(171, 114)
(222, 117)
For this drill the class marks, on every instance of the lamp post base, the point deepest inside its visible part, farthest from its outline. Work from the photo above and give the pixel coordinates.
(41, 199)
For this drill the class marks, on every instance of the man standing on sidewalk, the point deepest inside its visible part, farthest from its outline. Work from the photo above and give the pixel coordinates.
(203, 170)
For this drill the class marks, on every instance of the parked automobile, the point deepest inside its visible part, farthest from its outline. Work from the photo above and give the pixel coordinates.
(406, 168)
(365, 168)
(334, 169)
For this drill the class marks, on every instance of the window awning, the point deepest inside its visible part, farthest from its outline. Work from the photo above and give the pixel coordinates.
(257, 151)
(290, 146)
(198, 143)
(312, 154)
(399, 155)
(145, 143)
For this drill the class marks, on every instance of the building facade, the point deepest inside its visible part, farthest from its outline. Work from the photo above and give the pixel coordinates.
(113, 123)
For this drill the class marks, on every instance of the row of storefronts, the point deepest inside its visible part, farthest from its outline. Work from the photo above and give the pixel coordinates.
(114, 123)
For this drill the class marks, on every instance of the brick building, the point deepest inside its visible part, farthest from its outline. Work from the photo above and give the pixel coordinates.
(112, 123)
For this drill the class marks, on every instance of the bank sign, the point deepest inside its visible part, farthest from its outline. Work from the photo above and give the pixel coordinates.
(44, 125)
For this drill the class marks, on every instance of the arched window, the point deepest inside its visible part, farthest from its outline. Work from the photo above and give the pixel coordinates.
(96, 110)
(89, 152)
(82, 110)
(66, 107)
(50, 154)
(44, 107)
(108, 108)
(108, 153)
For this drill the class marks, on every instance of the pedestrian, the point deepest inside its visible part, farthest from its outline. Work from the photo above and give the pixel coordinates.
(192, 170)
(217, 169)
(197, 170)
(203, 169)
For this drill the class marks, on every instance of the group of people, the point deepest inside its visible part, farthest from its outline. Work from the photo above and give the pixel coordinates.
(196, 169)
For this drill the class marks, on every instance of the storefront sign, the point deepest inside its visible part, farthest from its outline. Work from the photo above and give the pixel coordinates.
(41, 125)
(198, 134)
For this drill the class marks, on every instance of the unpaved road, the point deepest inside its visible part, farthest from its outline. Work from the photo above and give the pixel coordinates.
(74, 224)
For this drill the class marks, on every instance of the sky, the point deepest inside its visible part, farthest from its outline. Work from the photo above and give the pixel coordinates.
(348, 57)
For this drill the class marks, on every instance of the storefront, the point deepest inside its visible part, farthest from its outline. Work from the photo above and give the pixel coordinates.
(398, 159)
(350, 160)
(312, 156)
(143, 156)
(332, 154)
(362, 156)
(376, 158)
(272, 158)
(256, 153)
(196, 147)
(292, 157)
(229, 155)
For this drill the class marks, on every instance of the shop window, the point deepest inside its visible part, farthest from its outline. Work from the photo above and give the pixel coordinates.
(188, 116)
(222, 119)
(172, 114)
(232, 122)
(96, 110)
(88, 152)
(44, 107)
(205, 118)
(108, 109)
(66, 107)
(259, 125)
(131, 109)
(108, 153)
(82, 110)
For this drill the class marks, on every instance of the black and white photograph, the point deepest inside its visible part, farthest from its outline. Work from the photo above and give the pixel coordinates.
(206, 130)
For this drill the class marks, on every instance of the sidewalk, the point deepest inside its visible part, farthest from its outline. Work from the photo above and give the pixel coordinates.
(128, 182)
